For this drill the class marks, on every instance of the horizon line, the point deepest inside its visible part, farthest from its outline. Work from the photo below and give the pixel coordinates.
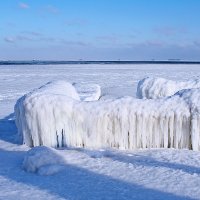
(46, 62)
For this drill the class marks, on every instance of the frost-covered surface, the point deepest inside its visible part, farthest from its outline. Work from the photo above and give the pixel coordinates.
(43, 160)
(95, 174)
(88, 92)
(126, 123)
(153, 88)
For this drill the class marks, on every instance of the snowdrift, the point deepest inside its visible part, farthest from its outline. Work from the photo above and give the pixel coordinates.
(43, 160)
(57, 120)
(153, 88)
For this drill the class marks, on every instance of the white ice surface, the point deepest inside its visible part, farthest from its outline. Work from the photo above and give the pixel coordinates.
(95, 174)
(153, 88)
(115, 80)
(60, 88)
(88, 92)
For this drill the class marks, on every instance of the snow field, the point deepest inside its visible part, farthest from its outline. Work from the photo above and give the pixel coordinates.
(95, 174)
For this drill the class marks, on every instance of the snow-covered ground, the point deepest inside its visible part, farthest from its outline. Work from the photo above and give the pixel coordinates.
(115, 80)
(86, 173)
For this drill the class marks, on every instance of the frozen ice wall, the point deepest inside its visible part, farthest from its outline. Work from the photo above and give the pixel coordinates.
(57, 120)
(153, 88)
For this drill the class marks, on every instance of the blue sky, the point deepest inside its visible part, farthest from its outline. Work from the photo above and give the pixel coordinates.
(100, 29)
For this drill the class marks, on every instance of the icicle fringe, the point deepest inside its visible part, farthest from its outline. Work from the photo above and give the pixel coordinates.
(53, 119)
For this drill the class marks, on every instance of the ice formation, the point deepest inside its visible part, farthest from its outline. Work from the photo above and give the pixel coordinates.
(153, 88)
(51, 119)
(58, 88)
(43, 160)
(88, 92)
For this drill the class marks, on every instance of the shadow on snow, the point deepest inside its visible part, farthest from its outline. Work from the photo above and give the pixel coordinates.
(78, 183)
(8, 129)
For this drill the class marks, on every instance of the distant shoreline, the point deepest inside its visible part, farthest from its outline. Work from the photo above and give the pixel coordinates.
(41, 62)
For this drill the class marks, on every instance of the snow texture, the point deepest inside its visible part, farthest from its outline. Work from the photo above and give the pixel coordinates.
(153, 88)
(61, 88)
(88, 92)
(127, 123)
(95, 174)
(43, 160)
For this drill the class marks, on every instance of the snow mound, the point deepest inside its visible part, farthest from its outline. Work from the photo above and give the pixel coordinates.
(59, 88)
(43, 160)
(88, 92)
(126, 123)
(153, 88)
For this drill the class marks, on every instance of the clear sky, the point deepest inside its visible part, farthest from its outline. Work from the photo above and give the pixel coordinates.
(99, 29)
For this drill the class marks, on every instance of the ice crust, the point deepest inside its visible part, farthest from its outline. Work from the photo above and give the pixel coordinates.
(47, 118)
(153, 88)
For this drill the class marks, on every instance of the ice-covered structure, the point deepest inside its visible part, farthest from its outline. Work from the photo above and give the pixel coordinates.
(58, 119)
(88, 92)
(153, 88)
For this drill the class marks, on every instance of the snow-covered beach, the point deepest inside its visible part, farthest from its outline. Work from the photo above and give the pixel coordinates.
(88, 173)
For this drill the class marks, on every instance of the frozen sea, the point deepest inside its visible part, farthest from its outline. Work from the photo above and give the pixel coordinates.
(95, 174)
(115, 80)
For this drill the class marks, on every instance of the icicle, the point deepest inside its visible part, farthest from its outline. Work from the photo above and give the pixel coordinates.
(51, 118)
